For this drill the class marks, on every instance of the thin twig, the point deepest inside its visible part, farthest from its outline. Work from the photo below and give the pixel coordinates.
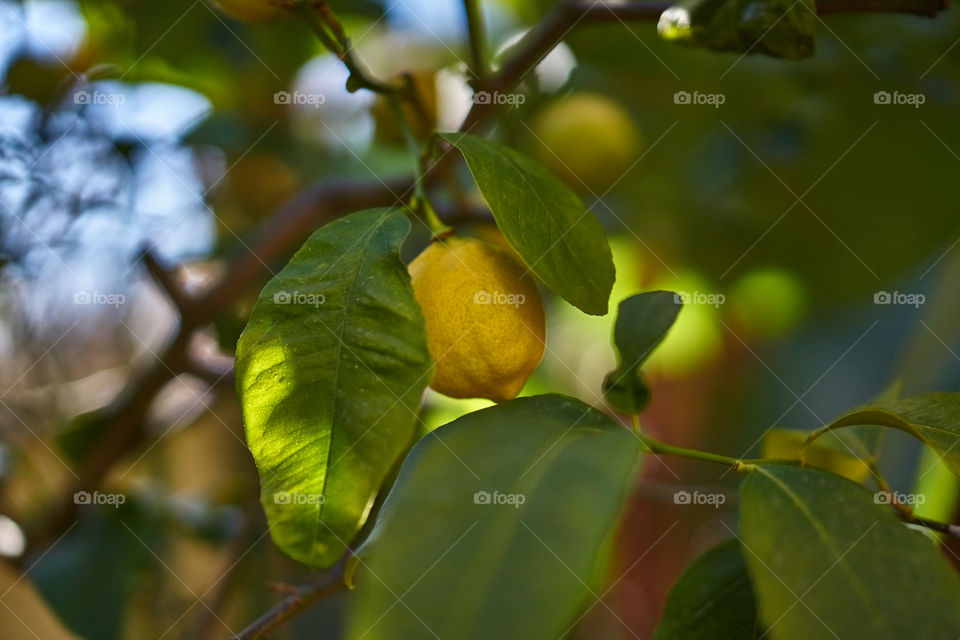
(166, 279)
(320, 587)
(320, 18)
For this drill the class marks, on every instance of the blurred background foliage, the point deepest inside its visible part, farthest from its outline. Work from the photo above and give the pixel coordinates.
(798, 199)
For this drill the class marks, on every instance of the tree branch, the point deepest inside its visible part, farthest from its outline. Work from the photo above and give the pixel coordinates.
(567, 16)
(319, 18)
(320, 587)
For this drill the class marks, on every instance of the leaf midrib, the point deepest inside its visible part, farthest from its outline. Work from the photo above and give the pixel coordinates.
(349, 303)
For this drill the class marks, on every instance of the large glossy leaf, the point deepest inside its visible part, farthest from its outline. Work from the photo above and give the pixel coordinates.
(330, 371)
(778, 28)
(712, 600)
(642, 322)
(827, 562)
(544, 221)
(493, 527)
(933, 417)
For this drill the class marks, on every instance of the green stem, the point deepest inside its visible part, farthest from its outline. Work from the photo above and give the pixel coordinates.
(320, 20)
(654, 446)
(439, 229)
(478, 40)
(812, 437)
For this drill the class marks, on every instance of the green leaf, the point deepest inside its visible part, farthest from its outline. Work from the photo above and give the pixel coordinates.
(712, 600)
(493, 527)
(544, 221)
(778, 28)
(827, 562)
(933, 418)
(330, 372)
(642, 322)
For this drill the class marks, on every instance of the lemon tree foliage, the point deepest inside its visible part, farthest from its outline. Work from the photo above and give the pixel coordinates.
(330, 370)
(826, 561)
(495, 526)
(933, 418)
(642, 322)
(778, 28)
(712, 600)
(544, 221)
(474, 295)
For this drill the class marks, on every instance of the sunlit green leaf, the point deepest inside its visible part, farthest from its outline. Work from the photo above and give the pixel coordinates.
(712, 600)
(330, 371)
(827, 562)
(494, 525)
(544, 221)
(642, 322)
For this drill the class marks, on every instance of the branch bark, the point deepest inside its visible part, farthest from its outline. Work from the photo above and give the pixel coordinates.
(305, 595)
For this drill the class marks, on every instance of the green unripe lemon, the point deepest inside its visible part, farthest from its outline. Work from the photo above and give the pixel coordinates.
(484, 318)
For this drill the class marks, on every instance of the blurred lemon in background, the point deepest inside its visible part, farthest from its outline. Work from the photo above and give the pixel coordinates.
(587, 139)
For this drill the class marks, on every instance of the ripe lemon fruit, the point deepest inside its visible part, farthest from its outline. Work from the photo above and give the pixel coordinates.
(255, 10)
(587, 139)
(484, 318)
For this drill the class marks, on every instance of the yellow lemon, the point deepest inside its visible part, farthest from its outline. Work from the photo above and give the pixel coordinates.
(587, 139)
(484, 318)
(255, 10)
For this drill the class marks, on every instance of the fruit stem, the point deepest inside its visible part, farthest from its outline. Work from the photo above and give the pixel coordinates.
(421, 205)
